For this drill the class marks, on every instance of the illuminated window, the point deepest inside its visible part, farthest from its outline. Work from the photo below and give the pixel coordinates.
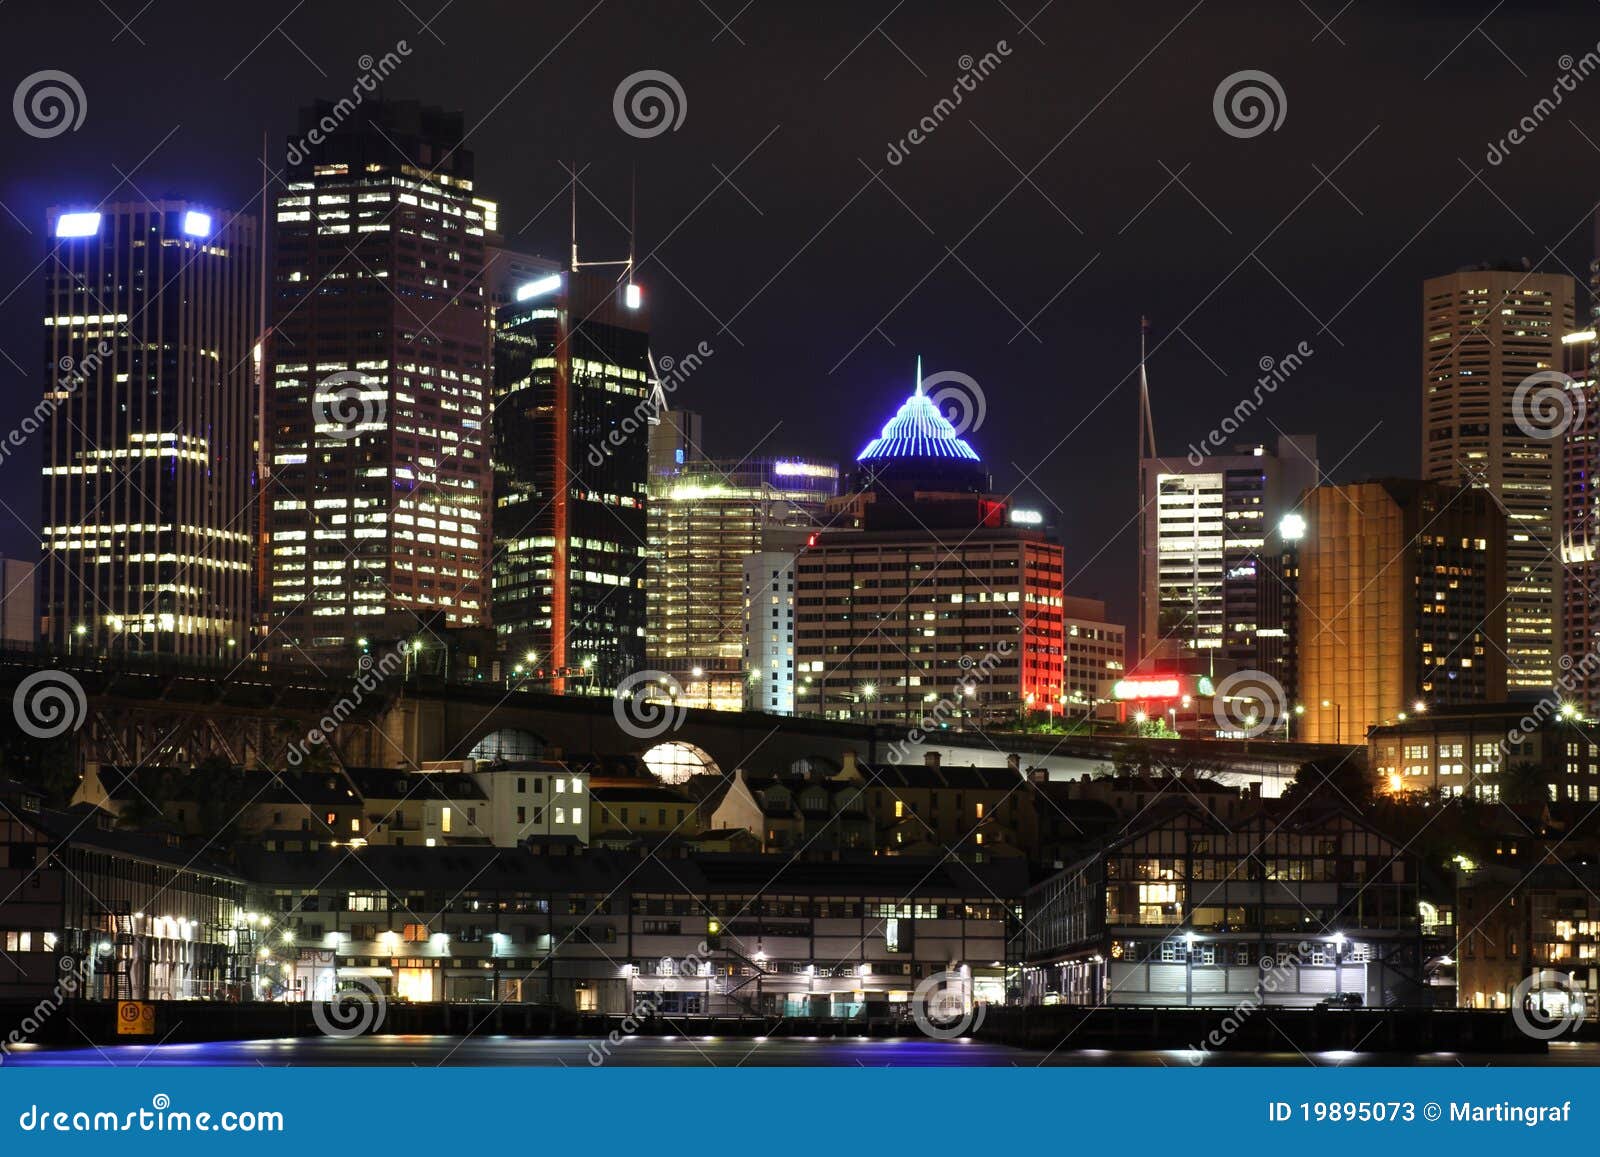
(444, 820)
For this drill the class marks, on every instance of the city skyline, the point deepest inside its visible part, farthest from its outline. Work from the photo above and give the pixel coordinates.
(1090, 330)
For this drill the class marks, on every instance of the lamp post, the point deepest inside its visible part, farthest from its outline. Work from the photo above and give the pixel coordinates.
(1338, 724)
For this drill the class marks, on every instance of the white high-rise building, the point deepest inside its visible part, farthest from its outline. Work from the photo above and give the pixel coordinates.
(769, 632)
(1205, 525)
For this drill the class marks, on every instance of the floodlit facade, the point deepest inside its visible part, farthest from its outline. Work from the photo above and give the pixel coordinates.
(150, 318)
(1532, 927)
(769, 631)
(1497, 752)
(704, 523)
(1402, 599)
(1484, 333)
(377, 476)
(1199, 556)
(572, 413)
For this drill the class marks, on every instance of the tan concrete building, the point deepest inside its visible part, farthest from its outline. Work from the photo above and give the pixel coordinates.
(1402, 598)
(1485, 332)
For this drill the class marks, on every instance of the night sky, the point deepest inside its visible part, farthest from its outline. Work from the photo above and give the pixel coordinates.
(1083, 183)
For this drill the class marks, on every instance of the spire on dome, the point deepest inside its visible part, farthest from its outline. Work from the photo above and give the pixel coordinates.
(919, 373)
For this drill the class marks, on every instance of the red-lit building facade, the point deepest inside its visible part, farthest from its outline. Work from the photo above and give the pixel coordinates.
(939, 598)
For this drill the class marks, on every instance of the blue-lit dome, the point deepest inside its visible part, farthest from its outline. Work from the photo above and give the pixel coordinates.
(918, 430)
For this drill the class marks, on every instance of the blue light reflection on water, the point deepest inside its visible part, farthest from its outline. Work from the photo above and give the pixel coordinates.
(712, 1052)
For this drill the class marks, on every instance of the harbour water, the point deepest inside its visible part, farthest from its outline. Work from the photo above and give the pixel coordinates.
(720, 1052)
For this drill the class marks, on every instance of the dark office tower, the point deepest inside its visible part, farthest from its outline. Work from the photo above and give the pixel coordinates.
(572, 408)
(377, 384)
(150, 320)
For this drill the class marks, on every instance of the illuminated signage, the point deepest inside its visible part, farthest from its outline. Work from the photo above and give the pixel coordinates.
(535, 288)
(805, 469)
(77, 224)
(197, 224)
(1157, 688)
(1027, 518)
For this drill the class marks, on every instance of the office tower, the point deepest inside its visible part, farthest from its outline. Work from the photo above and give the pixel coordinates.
(1402, 592)
(1277, 606)
(377, 390)
(769, 631)
(1197, 560)
(1096, 652)
(940, 606)
(150, 318)
(573, 404)
(703, 523)
(19, 625)
(1578, 593)
(1485, 332)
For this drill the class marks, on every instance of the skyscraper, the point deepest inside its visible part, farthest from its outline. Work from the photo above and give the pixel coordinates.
(573, 405)
(1485, 332)
(941, 606)
(377, 384)
(150, 317)
(703, 524)
(1402, 599)
(1208, 521)
(1578, 595)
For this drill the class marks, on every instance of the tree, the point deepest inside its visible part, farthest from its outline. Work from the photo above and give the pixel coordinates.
(1341, 780)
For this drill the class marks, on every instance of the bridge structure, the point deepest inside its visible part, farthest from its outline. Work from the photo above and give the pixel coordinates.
(142, 710)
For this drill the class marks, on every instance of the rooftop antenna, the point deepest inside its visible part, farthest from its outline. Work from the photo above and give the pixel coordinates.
(633, 216)
(574, 184)
(1146, 455)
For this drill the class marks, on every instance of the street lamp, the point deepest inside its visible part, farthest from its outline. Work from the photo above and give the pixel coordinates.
(1338, 723)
